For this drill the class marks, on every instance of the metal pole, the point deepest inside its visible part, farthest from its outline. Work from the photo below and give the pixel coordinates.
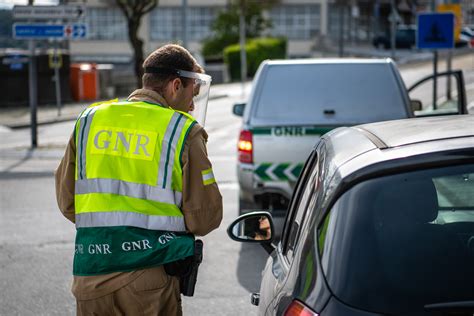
(243, 54)
(57, 79)
(185, 23)
(33, 94)
(393, 29)
(435, 79)
(435, 66)
(341, 30)
(449, 67)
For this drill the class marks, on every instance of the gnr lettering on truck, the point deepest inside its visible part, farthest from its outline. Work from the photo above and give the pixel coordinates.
(128, 143)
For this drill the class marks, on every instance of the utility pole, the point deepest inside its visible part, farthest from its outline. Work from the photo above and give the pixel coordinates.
(435, 66)
(393, 28)
(341, 28)
(449, 66)
(57, 78)
(243, 54)
(33, 90)
(185, 22)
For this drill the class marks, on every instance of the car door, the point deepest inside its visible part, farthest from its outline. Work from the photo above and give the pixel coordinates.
(277, 269)
(443, 94)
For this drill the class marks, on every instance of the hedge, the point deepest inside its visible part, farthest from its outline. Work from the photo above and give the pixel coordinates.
(258, 50)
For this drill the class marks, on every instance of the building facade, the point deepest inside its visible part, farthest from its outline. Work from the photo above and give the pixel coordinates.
(303, 22)
(309, 25)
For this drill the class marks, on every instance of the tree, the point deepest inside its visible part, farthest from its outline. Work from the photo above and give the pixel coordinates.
(134, 10)
(225, 27)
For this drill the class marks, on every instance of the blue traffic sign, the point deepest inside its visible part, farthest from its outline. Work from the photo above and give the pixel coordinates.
(435, 30)
(44, 31)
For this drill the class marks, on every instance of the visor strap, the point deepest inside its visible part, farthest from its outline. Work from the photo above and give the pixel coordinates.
(161, 70)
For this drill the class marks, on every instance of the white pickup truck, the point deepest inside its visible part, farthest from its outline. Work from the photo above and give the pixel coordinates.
(294, 102)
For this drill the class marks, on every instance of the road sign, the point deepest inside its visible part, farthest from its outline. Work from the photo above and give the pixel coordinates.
(43, 31)
(15, 61)
(55, 60)
(454, 8)
(435, 30)
(49, 12)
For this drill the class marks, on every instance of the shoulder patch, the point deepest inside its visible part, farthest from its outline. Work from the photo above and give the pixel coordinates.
(208, 177)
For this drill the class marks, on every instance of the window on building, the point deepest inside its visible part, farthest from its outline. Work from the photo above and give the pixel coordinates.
(166, 23)
(106, 24)
(296, 21)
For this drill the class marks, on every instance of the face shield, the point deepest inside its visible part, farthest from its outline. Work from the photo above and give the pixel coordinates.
(202, 84)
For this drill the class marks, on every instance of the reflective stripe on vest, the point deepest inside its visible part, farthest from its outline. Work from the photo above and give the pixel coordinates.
(84, 123)
(118, 218)
(136, 190)
(168, 149)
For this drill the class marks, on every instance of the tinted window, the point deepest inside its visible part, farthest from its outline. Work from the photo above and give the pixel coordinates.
(308, 194)
(300, 94)
(398, 243)
(290, 229)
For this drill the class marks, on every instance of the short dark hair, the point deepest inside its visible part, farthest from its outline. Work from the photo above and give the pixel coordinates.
(170, 56)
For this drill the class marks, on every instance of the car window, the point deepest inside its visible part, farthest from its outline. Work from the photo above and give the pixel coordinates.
(328, 94)
(308, 197)
(397, 243)
(290, 228)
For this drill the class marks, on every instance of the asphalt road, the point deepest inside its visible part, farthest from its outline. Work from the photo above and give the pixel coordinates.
(36, 242)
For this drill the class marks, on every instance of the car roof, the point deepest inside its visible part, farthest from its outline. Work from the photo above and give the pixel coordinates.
(409, 131)
(351, 149)
(325, 61)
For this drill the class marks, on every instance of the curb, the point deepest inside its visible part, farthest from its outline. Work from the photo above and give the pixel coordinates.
(69, 118)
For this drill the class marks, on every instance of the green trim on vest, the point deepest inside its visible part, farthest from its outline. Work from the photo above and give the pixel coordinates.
(169, 149)
(100, 250)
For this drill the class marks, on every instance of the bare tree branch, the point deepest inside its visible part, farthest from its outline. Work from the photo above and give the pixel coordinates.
(123, 7)
(134, 10)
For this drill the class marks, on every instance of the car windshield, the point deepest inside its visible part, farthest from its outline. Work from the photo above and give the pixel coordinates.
(329, 94)
(396, 244)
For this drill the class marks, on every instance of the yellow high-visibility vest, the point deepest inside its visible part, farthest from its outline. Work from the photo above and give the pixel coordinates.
(128, 176)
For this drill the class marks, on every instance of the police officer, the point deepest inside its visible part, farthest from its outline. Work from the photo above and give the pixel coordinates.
(136, 181)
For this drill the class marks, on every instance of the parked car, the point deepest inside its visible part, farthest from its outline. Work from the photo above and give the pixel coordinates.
(405, 37)
(294, 102)
(381, 223)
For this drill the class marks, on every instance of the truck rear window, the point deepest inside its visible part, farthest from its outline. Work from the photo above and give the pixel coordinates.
(328, 94)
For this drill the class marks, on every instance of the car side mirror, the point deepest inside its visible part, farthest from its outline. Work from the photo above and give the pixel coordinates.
(256, 227)
(416, 105)
(238, 109)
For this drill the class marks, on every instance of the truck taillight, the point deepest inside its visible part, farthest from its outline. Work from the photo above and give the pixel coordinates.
(245, 147)
(297, 308)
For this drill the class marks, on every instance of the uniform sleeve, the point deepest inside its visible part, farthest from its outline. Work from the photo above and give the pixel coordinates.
(202, 201)
(64, 177)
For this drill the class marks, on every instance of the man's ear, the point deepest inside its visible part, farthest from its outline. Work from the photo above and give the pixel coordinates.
(176, 84)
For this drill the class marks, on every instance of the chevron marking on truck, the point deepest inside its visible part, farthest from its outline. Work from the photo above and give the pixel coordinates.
(278, 172)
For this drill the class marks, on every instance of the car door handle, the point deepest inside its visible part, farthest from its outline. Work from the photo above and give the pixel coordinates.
(329, 112)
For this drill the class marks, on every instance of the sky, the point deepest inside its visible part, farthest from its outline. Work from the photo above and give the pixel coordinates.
(8, 4)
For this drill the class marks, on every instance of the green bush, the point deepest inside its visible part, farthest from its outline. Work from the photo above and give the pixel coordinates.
(257, 50)
(212, 48)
